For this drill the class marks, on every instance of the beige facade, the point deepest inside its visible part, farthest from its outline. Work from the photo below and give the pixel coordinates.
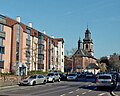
(26, 49)
(7, 43)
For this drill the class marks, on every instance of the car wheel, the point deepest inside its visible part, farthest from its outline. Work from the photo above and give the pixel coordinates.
(34, 83)
(44, 82)
(20, 84)
(53, 80)
(58, 80)
(98, 87)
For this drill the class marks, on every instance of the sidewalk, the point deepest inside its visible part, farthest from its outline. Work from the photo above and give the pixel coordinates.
(4, 85)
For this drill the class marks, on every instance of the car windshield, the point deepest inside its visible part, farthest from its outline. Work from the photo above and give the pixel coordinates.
(71, 74)
(50, 74)
(32, 77)
(104, 77)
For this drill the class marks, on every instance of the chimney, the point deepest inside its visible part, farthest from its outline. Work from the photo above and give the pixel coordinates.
(18, 19)
(30, 24)
(44, 32)
(52, 36)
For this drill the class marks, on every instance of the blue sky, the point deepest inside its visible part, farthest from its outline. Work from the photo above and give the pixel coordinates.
(69, 19)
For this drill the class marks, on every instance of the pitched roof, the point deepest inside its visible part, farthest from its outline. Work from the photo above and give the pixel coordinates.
(83, 53)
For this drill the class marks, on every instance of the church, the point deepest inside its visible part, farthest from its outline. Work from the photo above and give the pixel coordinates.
(83, 59)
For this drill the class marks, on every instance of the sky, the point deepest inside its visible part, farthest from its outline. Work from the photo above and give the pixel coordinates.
(68, 19)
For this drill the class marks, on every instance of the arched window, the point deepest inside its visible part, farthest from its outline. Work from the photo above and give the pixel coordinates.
(86, 46)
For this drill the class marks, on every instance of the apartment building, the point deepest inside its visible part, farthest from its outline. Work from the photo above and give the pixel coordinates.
(23, 48)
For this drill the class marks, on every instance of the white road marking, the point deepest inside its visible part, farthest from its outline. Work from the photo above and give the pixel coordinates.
(77, 95)
(101, 94)
(84, 93)
(62, 95)
(89, 90)
(77, 90)
(71, 92)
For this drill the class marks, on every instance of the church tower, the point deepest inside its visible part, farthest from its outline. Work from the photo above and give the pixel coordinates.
(88, 42)
(79, 44)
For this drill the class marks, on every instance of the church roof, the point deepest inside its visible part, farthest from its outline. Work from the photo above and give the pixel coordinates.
(82, 53)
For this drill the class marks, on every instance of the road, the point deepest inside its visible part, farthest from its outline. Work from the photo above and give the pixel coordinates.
(84, 87)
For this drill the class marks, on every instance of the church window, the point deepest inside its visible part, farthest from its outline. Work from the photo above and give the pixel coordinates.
(86, 46)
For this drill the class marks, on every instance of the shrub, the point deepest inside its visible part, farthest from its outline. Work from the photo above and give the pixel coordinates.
(37, 72)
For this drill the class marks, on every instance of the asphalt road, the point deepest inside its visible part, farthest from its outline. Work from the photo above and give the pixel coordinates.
(82, 87)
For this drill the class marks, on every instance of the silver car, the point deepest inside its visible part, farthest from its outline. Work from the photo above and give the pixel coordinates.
(105, 80)
(72, 76)
(33, 80)
(53, 76)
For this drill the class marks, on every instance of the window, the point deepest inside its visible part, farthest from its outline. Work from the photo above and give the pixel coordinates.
(18, 43)
(2, 49)
(40, 58)
(1, 41)
(18, 33)
(56, 59)
(1, 27)
(27, 53)
(35, 33)
(86, 46)
(39, 76)
(28, 32)
(62, 45)
(62, 60)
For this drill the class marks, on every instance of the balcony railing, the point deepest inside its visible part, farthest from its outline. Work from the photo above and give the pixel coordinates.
(41, 42)
(28, 42)
(2, 34)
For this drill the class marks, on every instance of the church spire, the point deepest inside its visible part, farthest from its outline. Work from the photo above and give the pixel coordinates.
(79, 43)
(87, 42)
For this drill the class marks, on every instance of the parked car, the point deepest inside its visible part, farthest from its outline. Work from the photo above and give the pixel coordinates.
(115, 75)
(79, 74)
(105, 80)
(63, 76)
(53, 76)
(72, 76)
(89, 75)
(33, 80)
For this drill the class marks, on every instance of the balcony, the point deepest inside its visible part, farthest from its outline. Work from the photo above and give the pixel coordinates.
(2, 34)
(28, 42)
(41, 42)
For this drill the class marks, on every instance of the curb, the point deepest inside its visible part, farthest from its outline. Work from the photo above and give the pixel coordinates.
(5, 87)
(113, 94)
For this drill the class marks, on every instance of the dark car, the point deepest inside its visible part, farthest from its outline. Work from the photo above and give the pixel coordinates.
(63, 76)
(89, 75)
